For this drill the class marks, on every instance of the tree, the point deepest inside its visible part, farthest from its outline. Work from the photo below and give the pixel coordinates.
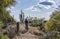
(4, 14)
(54, 22)
(6, 3)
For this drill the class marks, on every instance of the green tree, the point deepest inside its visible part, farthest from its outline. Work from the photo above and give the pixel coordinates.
(54, 22)
(4, 14)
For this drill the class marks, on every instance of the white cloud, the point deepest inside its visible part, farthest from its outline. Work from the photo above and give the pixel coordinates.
(32, 8)
(47, 7)
(43, 11)
(41, 0)
(50, 6)
(39, 7)
(9, 8)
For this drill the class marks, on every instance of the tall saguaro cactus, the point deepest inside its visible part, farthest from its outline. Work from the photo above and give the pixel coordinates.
(22, 17)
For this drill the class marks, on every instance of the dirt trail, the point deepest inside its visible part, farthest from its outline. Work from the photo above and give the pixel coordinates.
(26, 35)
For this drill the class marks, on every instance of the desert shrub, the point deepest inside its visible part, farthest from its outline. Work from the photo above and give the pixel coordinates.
(53, 36)
(1, 24)
(54, 22)
(3, 36)
(35, 23)
(11, 32)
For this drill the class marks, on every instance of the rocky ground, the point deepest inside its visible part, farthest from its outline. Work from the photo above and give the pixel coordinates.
(32, 33)
(27, 34)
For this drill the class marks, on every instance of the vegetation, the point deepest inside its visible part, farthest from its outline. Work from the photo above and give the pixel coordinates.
(3, 36)
(53, 35)
(1, 24)
(36, 22)
(54, 22)
(4, 14)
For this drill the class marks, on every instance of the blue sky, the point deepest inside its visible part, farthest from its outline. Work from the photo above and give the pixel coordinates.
(34, 8)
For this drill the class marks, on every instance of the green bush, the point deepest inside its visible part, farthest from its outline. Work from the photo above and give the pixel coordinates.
(1, 24)
(3, 36)
(53, 36)
(54, 22)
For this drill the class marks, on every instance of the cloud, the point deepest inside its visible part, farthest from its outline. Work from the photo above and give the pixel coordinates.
(33, 8)
(41, 0)
(9, 8)
(39, 10)
(43, 5)
(46, 3)
(59, 6)
(47, 7)
(49, 4)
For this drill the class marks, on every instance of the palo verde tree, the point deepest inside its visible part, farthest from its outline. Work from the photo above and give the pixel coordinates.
(4, 14)
(54, 22)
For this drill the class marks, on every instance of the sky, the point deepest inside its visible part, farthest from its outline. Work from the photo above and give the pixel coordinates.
(34, 8)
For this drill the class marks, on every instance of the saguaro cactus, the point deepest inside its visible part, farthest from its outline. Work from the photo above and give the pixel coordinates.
(22, 17)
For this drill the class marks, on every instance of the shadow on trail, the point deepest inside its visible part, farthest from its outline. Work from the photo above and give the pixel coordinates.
(24, 31)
